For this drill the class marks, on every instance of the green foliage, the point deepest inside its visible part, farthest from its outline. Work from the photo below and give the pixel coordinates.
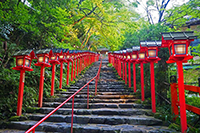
(193, 100)
(32, 109)
(146, 32)
(109, 65)
(14, 118)
(179, 15)
(151, 32)
(65, 23)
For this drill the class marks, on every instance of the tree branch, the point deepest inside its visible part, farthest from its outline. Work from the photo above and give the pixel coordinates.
(85, 37)
(81, 19)
(162, 9)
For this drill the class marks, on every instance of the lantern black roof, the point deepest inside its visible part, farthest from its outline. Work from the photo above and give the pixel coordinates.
(23, 52)
(116, 52)
(136, 48)
(71, 51)
(65, 50)
(150, 43)
(178, 35)
(129, 50)
(57, 50)
(43, 51)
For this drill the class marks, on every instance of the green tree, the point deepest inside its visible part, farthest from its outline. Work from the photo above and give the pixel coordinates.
(149, 32)
(178, 16)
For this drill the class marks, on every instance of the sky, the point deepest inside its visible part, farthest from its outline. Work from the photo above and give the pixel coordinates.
(142, 12)
(26, 3)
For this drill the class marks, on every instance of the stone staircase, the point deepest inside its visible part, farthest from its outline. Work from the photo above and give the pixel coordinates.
(113, 110)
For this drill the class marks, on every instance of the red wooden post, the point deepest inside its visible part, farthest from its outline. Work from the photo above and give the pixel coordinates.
(129, 59)
(123, 68)
(61, 74)
(142, 80)
(53, 79)
(20, 93)
(81, 64)
(115, 62)
(125, 72)
(174, 100)
(129, 73)
(72, 66)
(77, 65)
(153, 97)
(84, 64)
(182, 97)
(40, 99)
(120, 68)
(53, 61)
(117, 65)
(134, 77)
(68, 63)
(87, 60)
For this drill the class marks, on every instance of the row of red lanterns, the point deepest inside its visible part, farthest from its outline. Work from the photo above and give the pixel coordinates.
(147, 52)
(79, 60)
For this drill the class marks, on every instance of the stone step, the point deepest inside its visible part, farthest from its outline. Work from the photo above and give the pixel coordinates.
(111, 82)
(97, 96)
(98, 105)
(99, 119)
(106, 86)
(92, 93)
(101, 111)
(94, 100)
(19, 131)
(102, 90)
(89, 128)
(115, 96)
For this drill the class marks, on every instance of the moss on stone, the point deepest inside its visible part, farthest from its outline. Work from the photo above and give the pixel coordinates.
(32, 109)
(14, 118)
(64, 90)
(138, 101)
(158, 115)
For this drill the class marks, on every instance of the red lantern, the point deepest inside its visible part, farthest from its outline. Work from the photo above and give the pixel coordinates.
(43, 61)
(121, 61)
(152, 57)
(178, 43)
(53, 60)
(134, 61)
(62, 59)
(68, 60)
(129, 56)
(23, 63)
(142, 60)
(125, 67)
